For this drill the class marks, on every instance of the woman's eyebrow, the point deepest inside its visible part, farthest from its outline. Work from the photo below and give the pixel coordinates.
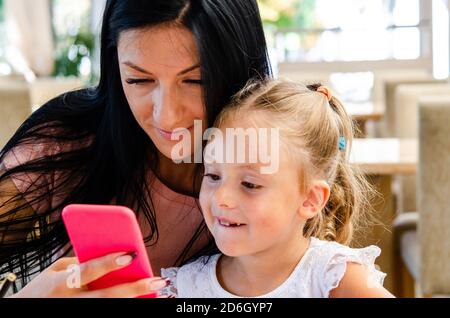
(140, 69)
(191, 68)
(137, 68)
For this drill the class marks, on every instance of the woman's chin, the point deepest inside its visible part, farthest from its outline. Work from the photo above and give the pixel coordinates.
(166, 150)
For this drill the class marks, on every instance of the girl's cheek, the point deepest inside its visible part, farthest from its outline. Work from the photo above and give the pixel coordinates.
(263, 214)
(205, 197)
(205, 204)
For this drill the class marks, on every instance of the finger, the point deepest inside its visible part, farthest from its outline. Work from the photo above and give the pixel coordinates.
(63, 263)
(131, 290)
(96, 268)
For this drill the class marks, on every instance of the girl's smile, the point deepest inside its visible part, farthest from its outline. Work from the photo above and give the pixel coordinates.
(229, 223)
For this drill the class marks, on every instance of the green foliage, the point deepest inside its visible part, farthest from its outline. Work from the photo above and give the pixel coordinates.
(70, 52)
(304, 14)
(288, 14)
(74, 40)
(1, 11)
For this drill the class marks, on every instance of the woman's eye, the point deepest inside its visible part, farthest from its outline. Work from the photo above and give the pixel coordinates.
(137, 81)
(251, 186)
(192, 81)
(213, 177)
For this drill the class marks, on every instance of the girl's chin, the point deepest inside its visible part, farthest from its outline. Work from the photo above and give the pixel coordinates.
(231, 249)
(230, 253)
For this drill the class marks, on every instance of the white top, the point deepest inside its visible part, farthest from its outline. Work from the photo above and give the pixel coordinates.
(318, 272)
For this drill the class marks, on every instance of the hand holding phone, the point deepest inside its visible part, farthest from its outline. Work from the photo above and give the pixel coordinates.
(53, 282)
(98, 230)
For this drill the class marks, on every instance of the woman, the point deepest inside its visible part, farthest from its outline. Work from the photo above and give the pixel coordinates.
(164, 64)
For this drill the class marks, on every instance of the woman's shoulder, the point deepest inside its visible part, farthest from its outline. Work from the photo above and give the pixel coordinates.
(40, 148)
(30, 151)
(328, 261)
(38, 152)
(48, 131)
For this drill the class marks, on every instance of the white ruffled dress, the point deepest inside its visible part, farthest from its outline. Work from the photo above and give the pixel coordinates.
(318, 272)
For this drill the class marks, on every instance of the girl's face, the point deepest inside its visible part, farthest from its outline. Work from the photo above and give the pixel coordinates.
(160, 74)
(248, 212)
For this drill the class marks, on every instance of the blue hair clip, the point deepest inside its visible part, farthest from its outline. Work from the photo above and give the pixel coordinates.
(342, 143)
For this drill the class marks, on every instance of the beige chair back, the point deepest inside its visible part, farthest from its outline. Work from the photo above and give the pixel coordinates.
(15, 108)
(406, 126)
(406, 105)
(43, 89)
(391, 112)
(434, 195)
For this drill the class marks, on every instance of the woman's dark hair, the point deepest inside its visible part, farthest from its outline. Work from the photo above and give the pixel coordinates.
(112, 162)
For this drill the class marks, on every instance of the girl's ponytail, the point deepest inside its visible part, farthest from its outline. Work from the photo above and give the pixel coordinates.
(350, 194)
(346, 204)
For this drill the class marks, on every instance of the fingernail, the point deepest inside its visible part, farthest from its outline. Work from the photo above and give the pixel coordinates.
(168, 281)
(158, 284)
(126, 259)
(133, 254)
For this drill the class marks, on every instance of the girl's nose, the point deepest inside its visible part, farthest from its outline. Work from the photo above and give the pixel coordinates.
(225, 196)
(166, 108)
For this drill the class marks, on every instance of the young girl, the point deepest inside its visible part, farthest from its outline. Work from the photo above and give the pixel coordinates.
(284, 234)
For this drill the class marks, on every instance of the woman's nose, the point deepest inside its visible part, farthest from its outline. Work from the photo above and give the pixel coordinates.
(166, 108)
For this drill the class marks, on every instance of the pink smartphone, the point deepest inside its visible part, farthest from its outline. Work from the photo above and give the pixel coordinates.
(98, 230)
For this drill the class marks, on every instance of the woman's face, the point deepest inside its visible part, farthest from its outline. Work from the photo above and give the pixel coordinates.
(160, 74)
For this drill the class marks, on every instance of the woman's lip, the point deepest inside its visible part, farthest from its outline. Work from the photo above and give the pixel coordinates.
(165, 134)
(168, 134)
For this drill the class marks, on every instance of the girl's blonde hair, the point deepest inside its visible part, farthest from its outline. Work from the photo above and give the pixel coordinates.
(311, 128)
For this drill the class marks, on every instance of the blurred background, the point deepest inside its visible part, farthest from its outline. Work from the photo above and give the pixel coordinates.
(388, 60)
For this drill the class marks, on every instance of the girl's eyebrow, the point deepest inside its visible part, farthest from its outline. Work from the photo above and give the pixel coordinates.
(249, 167)
(255, 170)
(140, 69)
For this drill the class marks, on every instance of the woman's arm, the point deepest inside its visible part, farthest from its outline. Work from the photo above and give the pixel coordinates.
(357, 283)
(53, 281)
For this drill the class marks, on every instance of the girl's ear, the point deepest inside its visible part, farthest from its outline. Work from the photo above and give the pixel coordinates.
(315, 199)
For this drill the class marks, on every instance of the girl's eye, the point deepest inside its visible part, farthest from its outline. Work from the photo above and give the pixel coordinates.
(213, 177)
(195, 82)
(251, 186)
(137, 81)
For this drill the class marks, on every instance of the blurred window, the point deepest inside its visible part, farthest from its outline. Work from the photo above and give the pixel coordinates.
(4, 66)
(2, 29)
(345, 30)
(1, 10)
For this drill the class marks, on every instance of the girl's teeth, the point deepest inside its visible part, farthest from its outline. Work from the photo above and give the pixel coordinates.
(228, 224)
